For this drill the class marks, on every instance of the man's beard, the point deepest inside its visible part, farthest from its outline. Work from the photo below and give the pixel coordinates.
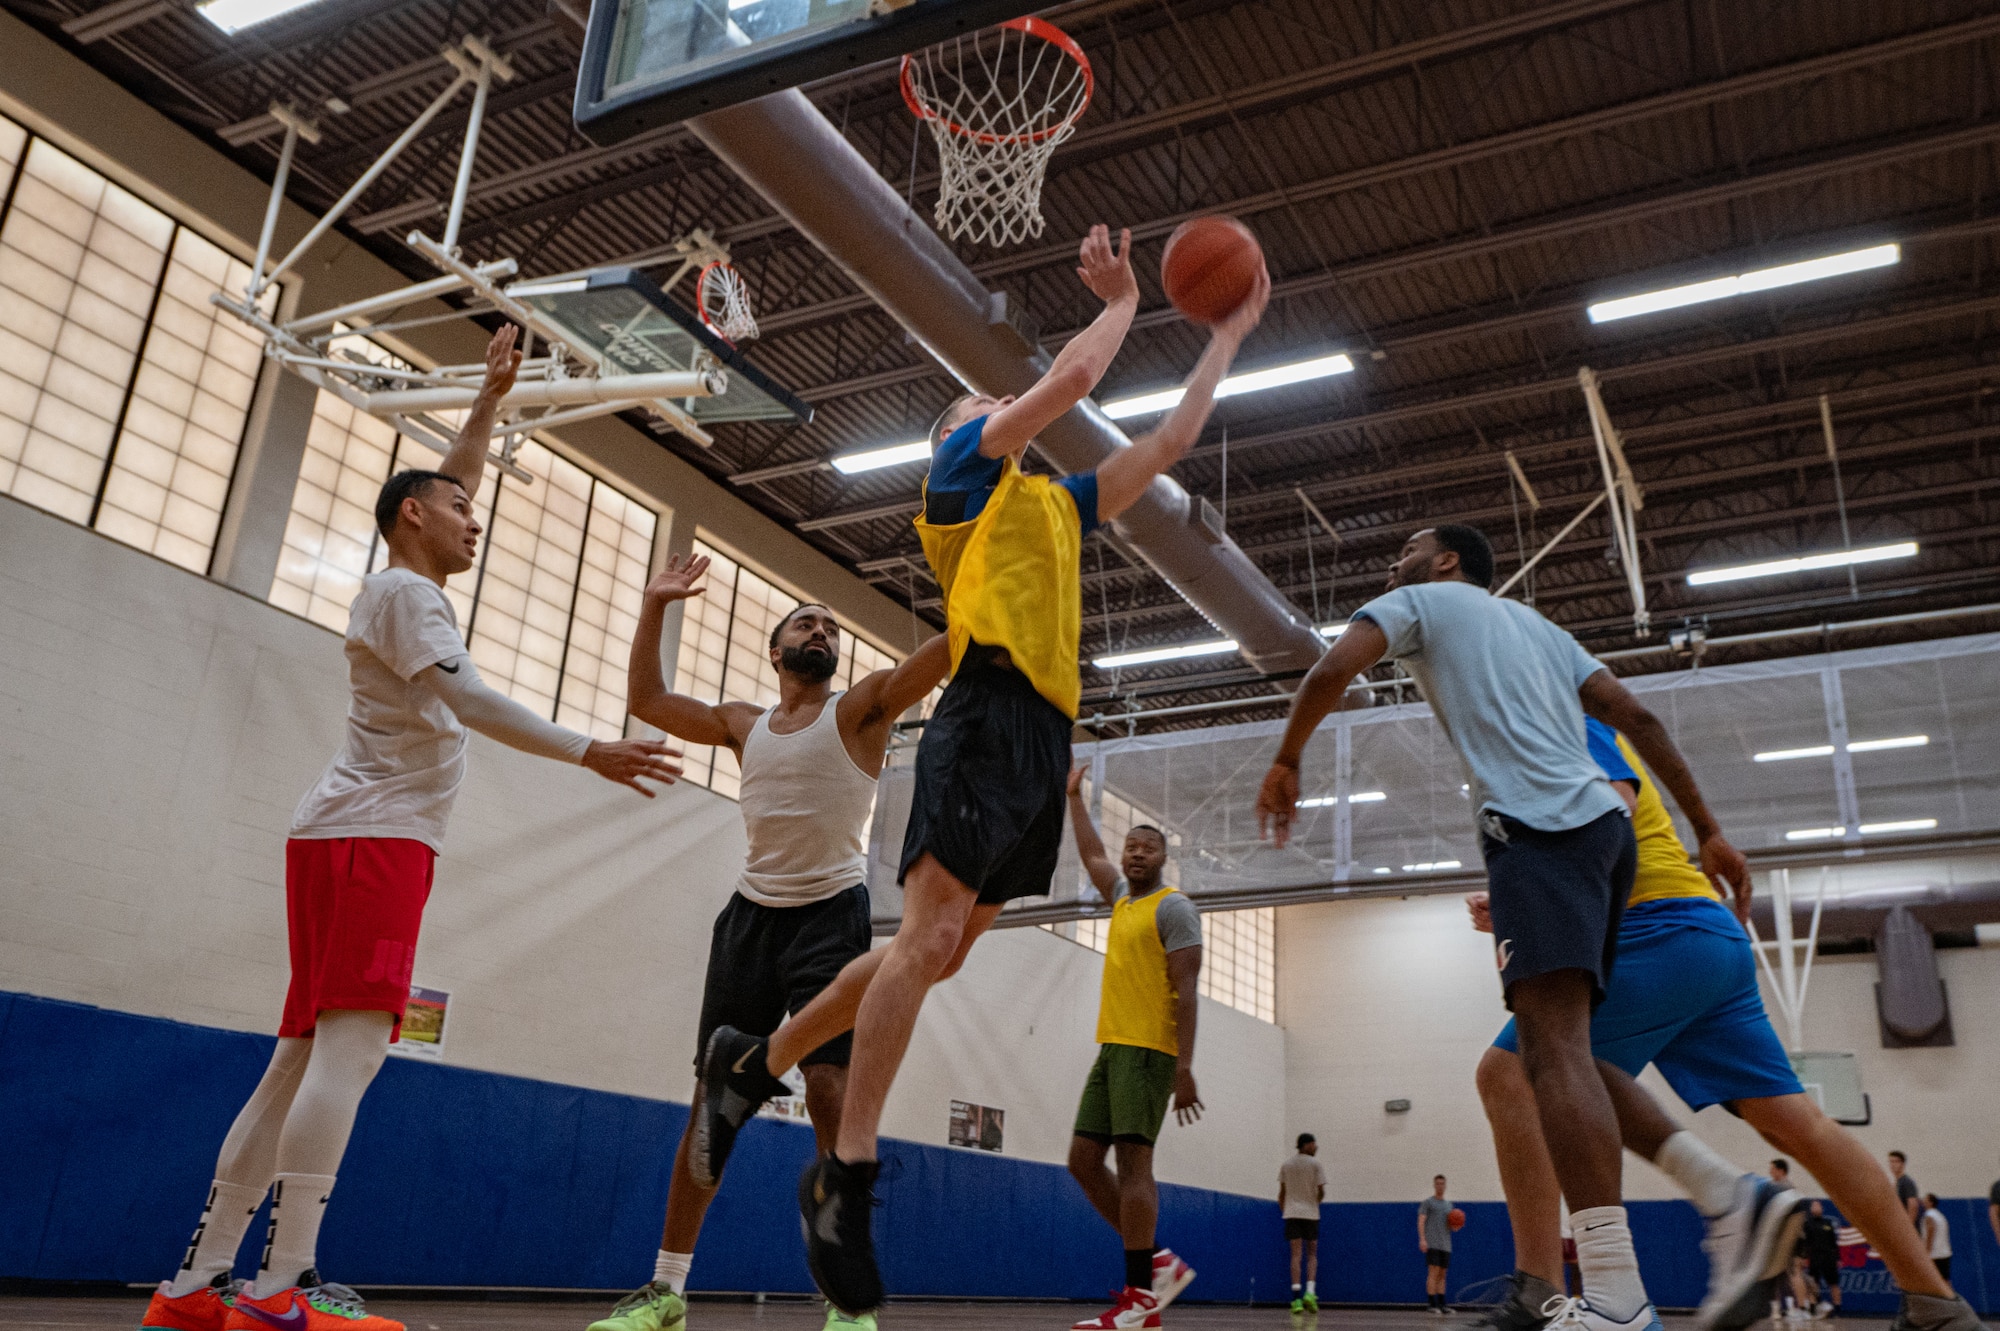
(813, 664)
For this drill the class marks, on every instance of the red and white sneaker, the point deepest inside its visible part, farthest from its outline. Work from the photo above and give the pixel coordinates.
(204, 1310)
(1135, 1307)
(1171, 1275)
(323, 1307)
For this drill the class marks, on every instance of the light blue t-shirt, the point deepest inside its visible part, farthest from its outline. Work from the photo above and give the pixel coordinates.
(1503, 681)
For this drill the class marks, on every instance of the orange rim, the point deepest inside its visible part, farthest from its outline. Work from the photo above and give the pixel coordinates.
(1034, 27)
(701, 306)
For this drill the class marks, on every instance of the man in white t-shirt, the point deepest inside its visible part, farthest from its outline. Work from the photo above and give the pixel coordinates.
(358, 870)
(1301, 1189)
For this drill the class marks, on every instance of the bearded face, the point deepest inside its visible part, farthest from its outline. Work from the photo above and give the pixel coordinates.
(813, 661)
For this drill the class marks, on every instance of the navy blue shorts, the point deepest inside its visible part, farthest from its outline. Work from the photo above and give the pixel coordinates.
(1685, 1000)
(1557, 896)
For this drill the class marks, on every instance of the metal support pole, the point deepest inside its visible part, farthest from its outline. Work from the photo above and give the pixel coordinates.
(1845, 798)
(464, 183)
(1839, 491)
(1554, 541)
(295, 125)
(1622, 491)
(1343, 803)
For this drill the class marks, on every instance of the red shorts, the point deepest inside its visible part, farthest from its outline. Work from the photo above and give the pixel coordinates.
(352, 907)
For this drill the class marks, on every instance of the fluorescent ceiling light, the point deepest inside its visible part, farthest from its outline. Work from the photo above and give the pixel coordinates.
(1858, 746)
(559, 287)
(1906, 825)
(1433, 864)
(1316, 802)
(232, 16)
(1762, 279)
(1816, 834)
(1803, 564)
(1154, 654)
(1333, 630)
(1384, 869)
(1367, 797)
(1255, 381)
(894, 455)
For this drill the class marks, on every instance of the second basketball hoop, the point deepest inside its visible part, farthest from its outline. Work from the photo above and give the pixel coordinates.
(998, 103)
(725, 303)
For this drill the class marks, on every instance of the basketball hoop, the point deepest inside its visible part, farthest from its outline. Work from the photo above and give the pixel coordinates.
(725, 303)
(997, 103)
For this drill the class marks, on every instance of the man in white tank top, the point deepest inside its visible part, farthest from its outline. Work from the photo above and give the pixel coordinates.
(800, 912)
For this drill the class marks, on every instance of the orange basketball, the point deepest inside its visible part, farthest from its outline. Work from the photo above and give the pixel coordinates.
(1209, 267)
(1455, 1218)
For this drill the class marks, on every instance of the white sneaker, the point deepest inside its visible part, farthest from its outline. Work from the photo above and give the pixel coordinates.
(1171, 1275)
(1568, 1314)
(1135, 1308)
(1823, 1311)
(1747, 1245)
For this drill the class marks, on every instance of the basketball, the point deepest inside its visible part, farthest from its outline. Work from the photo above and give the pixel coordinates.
(1209, 266)
(1455, 1218)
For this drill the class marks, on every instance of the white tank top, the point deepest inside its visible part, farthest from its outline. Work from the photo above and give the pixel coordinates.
(805, 807)
(1941, 1235)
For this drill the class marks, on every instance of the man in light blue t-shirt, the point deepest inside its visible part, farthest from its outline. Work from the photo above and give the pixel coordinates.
(1511, 689)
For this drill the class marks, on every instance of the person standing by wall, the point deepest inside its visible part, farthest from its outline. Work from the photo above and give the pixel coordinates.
(1781, 1172)
(1301, 1190)
(1937, 1234)
(1819, 1240)
(1434, 1237)
(1907, 1190)
(1993, 1209)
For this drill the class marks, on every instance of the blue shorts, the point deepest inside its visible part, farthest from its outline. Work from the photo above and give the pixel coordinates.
(1684, 998)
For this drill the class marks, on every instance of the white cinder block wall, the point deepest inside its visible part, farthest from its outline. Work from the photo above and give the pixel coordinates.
(156, 730)
(1396, 999)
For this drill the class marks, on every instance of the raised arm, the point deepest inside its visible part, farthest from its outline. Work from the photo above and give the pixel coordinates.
(867, 710)
(1184, 971)
(1612, 703)
(1089, 846)
(1073, 375)
(1361, 646)
(646, 692)
(465, 461)
(496, 716)
(1124, 476)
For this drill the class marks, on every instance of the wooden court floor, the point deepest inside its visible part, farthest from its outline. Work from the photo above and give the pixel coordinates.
(115, 1314)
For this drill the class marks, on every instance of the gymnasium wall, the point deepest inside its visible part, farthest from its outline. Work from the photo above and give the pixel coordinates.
(156, 730)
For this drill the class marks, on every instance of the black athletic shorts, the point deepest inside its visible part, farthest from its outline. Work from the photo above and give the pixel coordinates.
(1302, 1229)
(1438, 1257)
(1557, 897)
(991, 773)
(765, 961)
(1826, 1270)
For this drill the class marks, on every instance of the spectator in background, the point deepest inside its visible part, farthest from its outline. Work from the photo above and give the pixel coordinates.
(1434, 1237)
(1301, 1189)
(1906, 1188)
(1781, 1172)
(1993, 1209)
(1937, 1234)
(1819, 1244)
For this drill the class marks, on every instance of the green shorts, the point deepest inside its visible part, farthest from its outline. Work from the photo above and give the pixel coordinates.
(1126, 1096)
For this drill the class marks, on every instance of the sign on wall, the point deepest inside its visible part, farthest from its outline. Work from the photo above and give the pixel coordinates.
(423, 1024)
(980, 1127)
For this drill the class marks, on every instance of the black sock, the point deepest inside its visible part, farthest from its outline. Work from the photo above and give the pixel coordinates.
(1139, 1268)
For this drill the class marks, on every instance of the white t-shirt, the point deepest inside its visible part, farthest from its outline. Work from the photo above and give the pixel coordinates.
(1940, 1233)
(398, 772)
(1303, 1178)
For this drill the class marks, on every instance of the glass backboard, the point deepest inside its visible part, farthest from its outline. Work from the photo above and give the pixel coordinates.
(648, 63)
(633, 327)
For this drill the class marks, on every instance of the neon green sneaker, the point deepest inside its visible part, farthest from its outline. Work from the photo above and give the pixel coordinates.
(651, 1307)
(1312, 1302)
(836, 1320)
(1298, 1306)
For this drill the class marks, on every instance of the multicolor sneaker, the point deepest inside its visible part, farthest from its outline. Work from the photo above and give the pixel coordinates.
(652, 1307)
(836, 1202)
(836, 1320)
(1171, 1275)
(204, 1310)
(321, 1307)
(1747, 1245)
(1135, 1308)
(735, 1084)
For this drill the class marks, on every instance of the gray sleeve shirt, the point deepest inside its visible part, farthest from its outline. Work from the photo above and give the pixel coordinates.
(1437, 1223)
(1177, 919)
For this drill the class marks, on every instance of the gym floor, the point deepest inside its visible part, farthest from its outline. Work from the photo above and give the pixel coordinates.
(114, 1314)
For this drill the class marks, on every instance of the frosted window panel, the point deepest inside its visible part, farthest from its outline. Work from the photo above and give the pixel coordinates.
(184, 422)
(535, 548)
(330, 535)
(13, 141)
(80, 259)
(617, 555)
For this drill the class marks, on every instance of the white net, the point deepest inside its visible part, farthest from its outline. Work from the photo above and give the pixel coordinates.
(725, 302)
(998, 103)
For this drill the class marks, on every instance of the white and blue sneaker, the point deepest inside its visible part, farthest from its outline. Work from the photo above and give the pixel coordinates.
(1747, 1245)
(1567, 1314)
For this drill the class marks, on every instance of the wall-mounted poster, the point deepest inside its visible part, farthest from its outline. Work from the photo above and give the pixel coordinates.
(981, 1127)
(423, 1024)
(791, 1107)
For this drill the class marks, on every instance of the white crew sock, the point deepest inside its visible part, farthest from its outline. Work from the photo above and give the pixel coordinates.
(212, 1250)
(1707, 1178)
(671, 1269)
(1610, 1268)
(1312, 1288)
(298, 1204)
(1295, 1291)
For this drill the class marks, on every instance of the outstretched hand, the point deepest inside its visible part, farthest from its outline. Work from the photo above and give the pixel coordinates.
(503, 362)
(626, 760)
(676, 582)
(1106, 272)
(1246, 316)
(1076, 777)
(1278, 804)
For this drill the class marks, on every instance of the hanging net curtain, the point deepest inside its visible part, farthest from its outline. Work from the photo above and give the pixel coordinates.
(725, 303)
(998, 103)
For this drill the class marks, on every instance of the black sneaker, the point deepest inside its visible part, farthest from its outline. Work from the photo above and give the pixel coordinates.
(1527, 1307)
(1927, 1312)
(735, 1083)
(836, 1205)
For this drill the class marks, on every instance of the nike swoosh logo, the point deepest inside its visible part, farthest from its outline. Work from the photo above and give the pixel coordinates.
(742, 1058)
(827, 1223)
(296, 1317)
(448, 669)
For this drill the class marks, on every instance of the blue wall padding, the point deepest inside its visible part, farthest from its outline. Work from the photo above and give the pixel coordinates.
(109, 1125)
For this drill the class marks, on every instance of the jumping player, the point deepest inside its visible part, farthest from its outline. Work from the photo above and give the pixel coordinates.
(1684, 997)
(1145, 1033)
(357, 873)
(986, 823)
(800, 912)
(1511, 690)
